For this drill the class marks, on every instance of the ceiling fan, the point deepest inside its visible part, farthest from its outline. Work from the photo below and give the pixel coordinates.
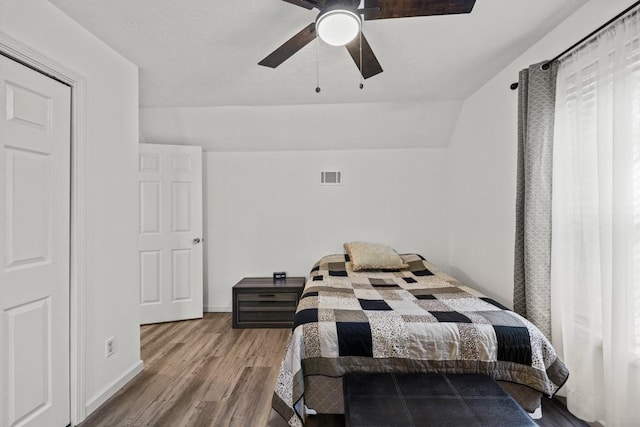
(340, 21)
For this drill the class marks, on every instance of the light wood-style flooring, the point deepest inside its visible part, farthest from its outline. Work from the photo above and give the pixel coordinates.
(199, 373)
(204, 373)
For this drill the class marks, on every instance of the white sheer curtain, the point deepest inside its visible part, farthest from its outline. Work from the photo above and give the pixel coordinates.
(595, 273)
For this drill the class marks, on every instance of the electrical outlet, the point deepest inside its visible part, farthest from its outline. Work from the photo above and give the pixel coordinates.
(110, 347)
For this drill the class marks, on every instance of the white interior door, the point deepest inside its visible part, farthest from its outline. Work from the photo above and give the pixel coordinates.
(35, 141)
(170, 192)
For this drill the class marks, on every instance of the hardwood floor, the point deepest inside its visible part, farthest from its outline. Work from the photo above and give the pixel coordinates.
(199, 373)
(204, 373)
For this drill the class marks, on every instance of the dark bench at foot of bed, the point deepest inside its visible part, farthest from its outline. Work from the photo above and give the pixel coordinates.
(429, 400)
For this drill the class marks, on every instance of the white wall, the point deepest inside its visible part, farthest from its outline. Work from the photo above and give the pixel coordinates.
(482, 152)
(266, 212)
(110, 207)
(357, 126)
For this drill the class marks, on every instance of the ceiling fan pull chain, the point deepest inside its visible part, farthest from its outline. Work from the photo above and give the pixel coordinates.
(361, 85)
(317, 64)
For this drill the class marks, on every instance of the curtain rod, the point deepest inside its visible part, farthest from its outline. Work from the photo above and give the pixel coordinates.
(545, 66)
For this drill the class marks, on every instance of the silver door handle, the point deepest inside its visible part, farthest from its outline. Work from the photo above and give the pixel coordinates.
(196, 240)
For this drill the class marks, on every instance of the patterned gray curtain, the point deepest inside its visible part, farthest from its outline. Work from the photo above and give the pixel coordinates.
(532, 270)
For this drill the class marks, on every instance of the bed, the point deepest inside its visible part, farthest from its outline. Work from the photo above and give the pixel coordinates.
(414, 319)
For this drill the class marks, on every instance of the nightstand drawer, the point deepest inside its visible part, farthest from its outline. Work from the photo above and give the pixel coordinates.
(257, 316)
(267, 296)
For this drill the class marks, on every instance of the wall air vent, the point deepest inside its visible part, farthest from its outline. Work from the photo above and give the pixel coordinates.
(330, 178)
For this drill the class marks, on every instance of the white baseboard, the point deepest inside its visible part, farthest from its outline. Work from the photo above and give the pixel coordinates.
(217, 309)
(95, 402)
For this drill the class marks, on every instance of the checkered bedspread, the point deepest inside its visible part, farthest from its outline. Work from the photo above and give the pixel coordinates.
(414, 320)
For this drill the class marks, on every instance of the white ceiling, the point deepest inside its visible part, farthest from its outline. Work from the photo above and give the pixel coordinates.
(204, 53)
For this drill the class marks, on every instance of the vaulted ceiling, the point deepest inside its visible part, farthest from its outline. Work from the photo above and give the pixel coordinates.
(203, 53)
(200, 82)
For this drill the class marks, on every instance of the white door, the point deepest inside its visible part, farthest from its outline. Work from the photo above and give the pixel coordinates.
(170, 192)
(35, 140)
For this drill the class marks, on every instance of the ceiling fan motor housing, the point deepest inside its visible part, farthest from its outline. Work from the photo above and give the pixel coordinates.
(340, 4)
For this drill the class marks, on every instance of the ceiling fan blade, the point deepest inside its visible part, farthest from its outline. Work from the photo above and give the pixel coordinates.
(407, 8)
(310, 4)
(370, 64)
(290, 47)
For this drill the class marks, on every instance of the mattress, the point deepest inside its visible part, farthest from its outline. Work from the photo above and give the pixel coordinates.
(412, 320)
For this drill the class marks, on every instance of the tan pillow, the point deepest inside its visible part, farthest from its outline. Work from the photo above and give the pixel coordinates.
(372, 256)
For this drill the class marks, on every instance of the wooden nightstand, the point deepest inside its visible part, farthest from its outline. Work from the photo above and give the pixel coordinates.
(259, 302)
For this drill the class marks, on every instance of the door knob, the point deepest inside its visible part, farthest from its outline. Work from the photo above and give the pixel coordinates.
(196, 240)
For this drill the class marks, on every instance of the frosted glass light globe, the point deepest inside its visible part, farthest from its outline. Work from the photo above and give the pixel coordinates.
(338, 27)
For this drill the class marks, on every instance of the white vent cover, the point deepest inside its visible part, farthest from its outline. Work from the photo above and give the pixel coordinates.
(330, 178)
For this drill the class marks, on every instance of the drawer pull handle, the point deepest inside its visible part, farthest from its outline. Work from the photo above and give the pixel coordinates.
(267, 295)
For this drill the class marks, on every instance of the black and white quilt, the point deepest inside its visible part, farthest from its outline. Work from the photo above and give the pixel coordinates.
(413, 320)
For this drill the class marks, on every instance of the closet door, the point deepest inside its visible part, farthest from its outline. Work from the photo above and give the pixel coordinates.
(170, 221)
(35, 141)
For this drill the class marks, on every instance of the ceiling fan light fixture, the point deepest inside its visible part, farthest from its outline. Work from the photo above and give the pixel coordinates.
(338, 27)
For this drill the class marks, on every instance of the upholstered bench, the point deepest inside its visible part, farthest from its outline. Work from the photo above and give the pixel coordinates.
(429, 400)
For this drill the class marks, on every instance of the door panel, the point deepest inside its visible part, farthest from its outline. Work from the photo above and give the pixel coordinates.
(29, 360)
(181, 205)
(149, 162)
(170, 186)
(181, 275)
(28, 107)
(28, 200)
(149, 207)
(35, 141)
(150, 262)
